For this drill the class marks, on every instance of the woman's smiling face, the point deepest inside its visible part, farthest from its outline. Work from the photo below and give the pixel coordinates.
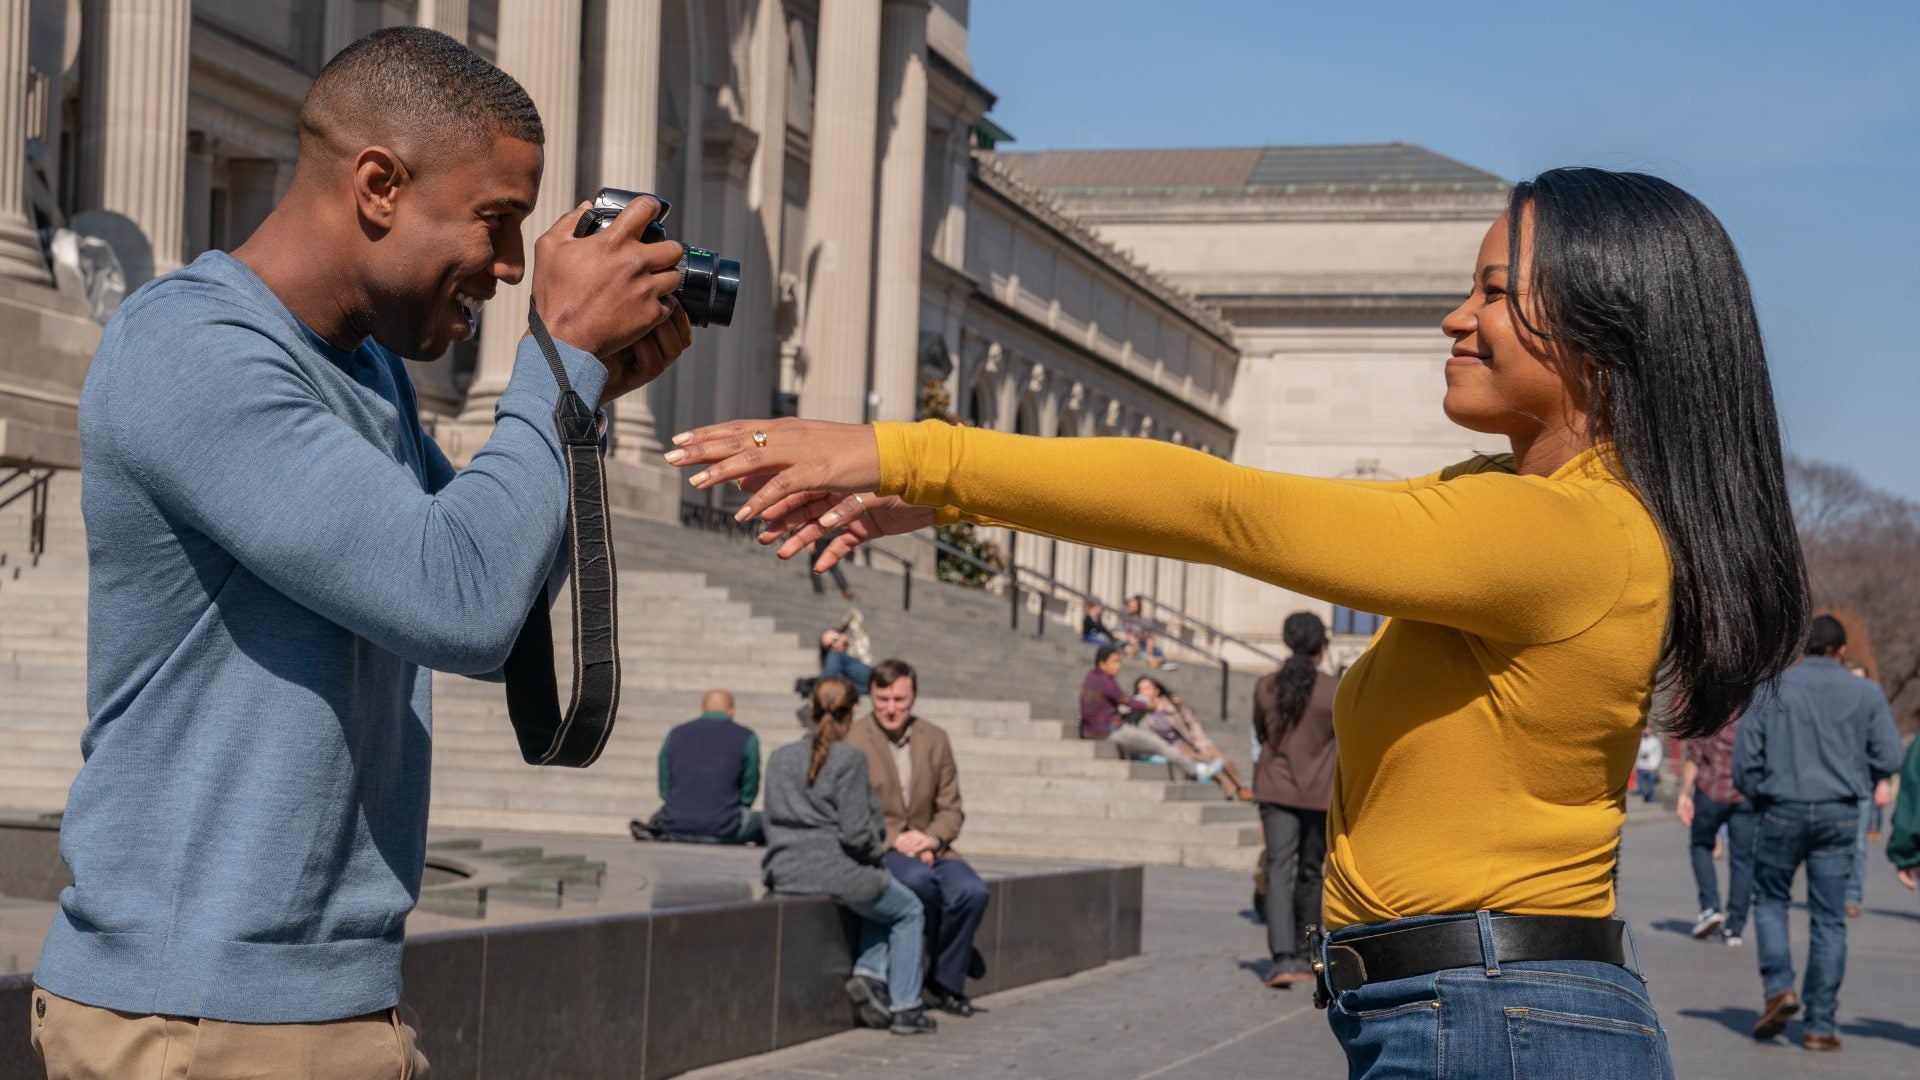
(1502, 379)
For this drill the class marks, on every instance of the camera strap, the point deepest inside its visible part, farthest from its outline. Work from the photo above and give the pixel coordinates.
(576, 739)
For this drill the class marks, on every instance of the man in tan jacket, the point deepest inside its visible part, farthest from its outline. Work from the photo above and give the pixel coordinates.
(911, 763)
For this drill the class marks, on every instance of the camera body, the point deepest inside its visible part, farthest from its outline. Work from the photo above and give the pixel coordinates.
(709, 284)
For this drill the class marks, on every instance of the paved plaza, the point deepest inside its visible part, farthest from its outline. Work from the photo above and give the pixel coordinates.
(1192, 1004)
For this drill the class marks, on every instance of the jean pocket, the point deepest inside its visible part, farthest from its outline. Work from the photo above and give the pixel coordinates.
(1543, 1044)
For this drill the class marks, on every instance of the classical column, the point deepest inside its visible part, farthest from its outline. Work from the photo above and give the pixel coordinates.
(903, 131)
(20, 255)
(839, 234)
(619, 125)
(540, 46)
(447, 16)
(253, 190)
(198, 212)
(133, 126)
(336, 27)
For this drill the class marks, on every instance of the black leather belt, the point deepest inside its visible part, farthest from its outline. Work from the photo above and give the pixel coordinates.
(1404, 953)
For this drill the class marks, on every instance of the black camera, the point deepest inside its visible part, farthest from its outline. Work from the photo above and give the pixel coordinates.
(709, 284)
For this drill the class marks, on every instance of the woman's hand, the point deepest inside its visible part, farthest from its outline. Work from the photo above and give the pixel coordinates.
(777, 459)
(796, 521)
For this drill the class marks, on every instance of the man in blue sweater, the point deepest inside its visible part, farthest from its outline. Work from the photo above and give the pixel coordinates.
(280, 556)
(1809, 749)
(709, 776)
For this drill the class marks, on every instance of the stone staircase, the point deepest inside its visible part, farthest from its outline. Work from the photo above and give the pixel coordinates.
(699, 611)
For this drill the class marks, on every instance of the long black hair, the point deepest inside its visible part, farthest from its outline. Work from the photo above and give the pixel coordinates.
(1640, 293)
(1306, 636)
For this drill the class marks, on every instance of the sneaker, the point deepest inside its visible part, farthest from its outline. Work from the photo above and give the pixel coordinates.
(1205, 773)
(912, 1022)
(1708, 922)
(1733, 941)
(640, 830)
(869, 996)
(1170, 665)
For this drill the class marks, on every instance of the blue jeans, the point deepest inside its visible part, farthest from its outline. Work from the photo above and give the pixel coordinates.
(955, 900)
(1740, 821)
(1648, 780)
(1532, 1019)
(1857, 875)
(891, 945)
(848, 667)
(1820, 835)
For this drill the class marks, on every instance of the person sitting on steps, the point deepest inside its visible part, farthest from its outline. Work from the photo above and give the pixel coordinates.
(1169, 718)
(1107, 713)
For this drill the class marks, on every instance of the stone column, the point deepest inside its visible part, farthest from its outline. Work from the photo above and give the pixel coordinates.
(198, 213)
(447, 16)
(619, 127)
(20, 255)
(839, 233)
(540, 46)
(903, 155)
(336, 27)
(253, 190)
(133, 126)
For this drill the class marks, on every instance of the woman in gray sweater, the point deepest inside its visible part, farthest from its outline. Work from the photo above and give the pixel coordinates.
(825, 834)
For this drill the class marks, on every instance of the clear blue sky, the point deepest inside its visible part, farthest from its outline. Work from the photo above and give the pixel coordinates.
(1798, 123)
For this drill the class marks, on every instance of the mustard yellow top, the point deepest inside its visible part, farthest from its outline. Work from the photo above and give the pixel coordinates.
(1486, 737)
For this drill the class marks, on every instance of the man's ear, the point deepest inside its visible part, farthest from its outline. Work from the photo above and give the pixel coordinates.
(378, 177)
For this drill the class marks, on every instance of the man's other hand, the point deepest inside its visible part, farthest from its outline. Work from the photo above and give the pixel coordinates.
(1910, 877)
(1683, 808)
(605, 292)
(913, 843)
(649, 358)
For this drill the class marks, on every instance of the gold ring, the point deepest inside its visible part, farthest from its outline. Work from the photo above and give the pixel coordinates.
(760, 439)
(861, 503)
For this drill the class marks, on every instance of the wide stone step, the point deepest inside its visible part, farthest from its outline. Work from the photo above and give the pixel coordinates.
(1182, 832)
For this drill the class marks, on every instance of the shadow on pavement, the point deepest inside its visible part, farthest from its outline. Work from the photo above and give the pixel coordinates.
(1674, 926)
(1892, 1030)
(1892, 914)
(1731, 1017)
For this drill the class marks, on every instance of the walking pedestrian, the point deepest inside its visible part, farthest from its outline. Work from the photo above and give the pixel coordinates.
(1293, 782)
(1532, 603)
(1903, 843)
(1857, 877)
(1808, 753)
(1646, 766)
(1708, 805)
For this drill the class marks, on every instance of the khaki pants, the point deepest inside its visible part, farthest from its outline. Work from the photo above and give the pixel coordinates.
(80, 1042)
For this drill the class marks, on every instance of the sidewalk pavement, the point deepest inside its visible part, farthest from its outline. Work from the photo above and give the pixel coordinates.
(1192, 1005)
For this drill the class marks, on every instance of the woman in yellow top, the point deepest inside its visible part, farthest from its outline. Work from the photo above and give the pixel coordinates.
(1638, 536)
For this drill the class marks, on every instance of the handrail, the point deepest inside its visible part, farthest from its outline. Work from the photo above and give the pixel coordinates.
(1012, 572)
(720, 520)
(1211, 631)
(39, 482)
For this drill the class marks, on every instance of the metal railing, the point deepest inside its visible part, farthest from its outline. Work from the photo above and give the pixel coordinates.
(1012, 573)
(719, 519)
(1213, 632)
(31, 484)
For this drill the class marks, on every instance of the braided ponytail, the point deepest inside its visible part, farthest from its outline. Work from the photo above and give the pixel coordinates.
(833, 702)
(1306, 635)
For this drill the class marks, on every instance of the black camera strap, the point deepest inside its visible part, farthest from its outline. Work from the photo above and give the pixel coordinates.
(576, 739)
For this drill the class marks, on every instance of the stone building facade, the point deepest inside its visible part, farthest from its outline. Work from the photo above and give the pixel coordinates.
(829, 145)
(1334, 265)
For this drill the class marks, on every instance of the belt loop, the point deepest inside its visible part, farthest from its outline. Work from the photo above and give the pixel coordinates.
(1633, 951)
(1488, 954)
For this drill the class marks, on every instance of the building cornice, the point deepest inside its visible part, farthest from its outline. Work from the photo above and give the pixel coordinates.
(993, 176)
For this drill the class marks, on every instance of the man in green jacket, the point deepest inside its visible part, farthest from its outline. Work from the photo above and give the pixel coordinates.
(1903, 842)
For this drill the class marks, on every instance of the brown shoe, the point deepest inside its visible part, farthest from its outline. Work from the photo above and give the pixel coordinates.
(1287, 972)
(1781, 1007)
(1820, 1042)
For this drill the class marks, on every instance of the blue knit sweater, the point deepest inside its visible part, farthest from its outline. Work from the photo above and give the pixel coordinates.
(278, 554)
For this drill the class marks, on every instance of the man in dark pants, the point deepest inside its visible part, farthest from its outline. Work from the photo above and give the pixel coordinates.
(709, 776)
(1707, 801)
(918, 788)
(1808, 751)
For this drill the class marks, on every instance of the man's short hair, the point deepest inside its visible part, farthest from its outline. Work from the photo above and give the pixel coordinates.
(1104, 654)
(1825, 636)
(418, 88)
(888, 672)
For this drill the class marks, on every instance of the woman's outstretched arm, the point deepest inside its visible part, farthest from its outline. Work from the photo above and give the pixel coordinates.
(1519, 559)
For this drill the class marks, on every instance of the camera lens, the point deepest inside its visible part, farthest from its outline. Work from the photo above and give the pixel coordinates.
(709, 285)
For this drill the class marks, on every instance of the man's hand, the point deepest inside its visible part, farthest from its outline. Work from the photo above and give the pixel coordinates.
(1882, 794)
(913, 844)
(1683, 808)
(604, 292)
(1910, 877)
(649, 358)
